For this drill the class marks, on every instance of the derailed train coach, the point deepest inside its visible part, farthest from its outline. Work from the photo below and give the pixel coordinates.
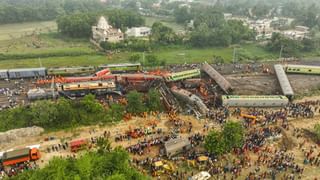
(302, 69)
(283, 81)
(66, 71)
(4, 74)
(254, 101)
(27, 73)
(22, 73)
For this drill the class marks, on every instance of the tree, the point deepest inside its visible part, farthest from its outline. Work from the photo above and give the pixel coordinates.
(211, 16)
(103, 145)
(153, 100)
(214, 143)
(116, 111)
(123, 19)
(162, 34)
(77, 25)
(134, 58)
(233, 134)
(310, 44)
(290, 48)
(152, 60)
(105, 164)
(182, 14)
(135, 102)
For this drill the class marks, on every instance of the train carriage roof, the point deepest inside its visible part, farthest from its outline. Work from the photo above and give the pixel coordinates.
(121, 65)
(252, 97)
(27, 69)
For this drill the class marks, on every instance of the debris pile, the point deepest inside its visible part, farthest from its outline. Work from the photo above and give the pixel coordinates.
(9, 136)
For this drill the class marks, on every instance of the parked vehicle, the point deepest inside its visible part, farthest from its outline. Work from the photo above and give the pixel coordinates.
(19, 156)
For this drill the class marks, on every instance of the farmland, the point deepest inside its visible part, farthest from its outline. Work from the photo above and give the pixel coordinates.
(173, 55)
(13, 31)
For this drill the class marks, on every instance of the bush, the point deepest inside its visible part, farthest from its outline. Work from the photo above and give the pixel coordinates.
(60, 115)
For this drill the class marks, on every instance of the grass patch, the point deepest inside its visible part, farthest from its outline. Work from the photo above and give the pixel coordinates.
(45, 44)
(83, 60)
(18, 30)
(172, 55)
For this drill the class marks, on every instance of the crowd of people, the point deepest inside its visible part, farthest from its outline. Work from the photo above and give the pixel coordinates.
(14, 170)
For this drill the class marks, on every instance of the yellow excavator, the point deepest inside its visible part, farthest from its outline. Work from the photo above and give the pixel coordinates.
(162, 167)
(250, 118)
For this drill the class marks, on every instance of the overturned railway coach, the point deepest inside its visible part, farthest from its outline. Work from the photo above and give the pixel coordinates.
(254, 101)
(283, 81)
(217, 77)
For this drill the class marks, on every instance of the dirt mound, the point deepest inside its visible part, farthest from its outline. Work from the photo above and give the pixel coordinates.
(287, 142)
(12, 135)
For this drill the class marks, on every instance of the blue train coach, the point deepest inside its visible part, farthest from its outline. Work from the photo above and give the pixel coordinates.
(26, 73)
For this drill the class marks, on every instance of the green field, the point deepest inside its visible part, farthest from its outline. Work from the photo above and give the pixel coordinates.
(54, 50)
(44, 43)
(18, 30)
(172, 55)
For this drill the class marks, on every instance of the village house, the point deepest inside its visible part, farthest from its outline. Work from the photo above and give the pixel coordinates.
(104, 32)
(138, 32)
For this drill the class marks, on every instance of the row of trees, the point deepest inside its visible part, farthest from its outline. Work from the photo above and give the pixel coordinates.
(105, 163)
(39, 10)
(211, 29)
(69, 114)
(61, 114)
(232, 32)
(231, 136)
(79, 24)
(290, 47)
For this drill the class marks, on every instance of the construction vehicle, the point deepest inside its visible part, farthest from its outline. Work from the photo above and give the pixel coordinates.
(20, 155)
(202, 162)
(162, 167)
(249, 118)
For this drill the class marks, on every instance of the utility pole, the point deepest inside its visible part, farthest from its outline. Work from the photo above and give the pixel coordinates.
(234, 56)
(40, 63)
(280, 56)
(143, 58)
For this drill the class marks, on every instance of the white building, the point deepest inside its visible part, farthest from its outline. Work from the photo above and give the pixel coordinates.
(138, 32)
(105, 32)
(299, 33)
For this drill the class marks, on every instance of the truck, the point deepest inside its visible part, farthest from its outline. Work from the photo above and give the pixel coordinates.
(20, 155)
(78, 145)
